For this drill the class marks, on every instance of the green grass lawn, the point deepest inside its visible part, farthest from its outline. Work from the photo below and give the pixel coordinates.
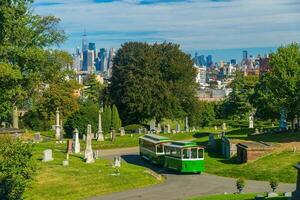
(235, 197)
(80, 180)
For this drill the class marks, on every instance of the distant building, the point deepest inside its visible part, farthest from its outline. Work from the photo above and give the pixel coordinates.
(201, 75)
(245, 55)
(209, 60)
(233, 61)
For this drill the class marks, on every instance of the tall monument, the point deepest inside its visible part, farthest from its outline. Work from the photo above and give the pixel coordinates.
(57, 126)
(15, 118)
(88, 154)
(187, 129)
(100, 136)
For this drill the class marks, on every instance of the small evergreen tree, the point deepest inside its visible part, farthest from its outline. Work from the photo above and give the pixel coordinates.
(106, 119)
(274, 184)
(115, 119)
(240, 184)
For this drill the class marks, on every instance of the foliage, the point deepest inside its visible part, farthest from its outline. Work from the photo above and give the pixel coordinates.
(237, 104)
(163, 76)
(115, 119)
(94, 89)
(204, 114)
(87, 114)
(279, 88)
(274, 184)
(133, 127)
(36, 121)
(240, 184)
(106, 119)
(16, 167)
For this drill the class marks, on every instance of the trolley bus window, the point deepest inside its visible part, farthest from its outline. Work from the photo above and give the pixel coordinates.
(167, 150)
(194, 153)
(186, 153)
(200, 153)
(176, 152)
(159, 148)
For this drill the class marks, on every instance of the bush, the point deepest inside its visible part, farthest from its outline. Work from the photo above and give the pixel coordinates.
(133, 127)
(16, 167)
(88, 114)
(36, 121)
(240, 184)
(274, 184)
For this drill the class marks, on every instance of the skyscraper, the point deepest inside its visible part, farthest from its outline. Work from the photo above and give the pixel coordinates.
(84, 43)
(245, 55)
(202, 60)
(103, 59)
(209, 60)
(92, 47)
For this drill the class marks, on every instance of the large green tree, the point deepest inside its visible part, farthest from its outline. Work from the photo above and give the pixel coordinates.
(115, 119)
(152, 81)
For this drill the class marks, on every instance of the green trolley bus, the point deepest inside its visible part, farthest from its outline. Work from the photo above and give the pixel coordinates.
(152, 148)
(184, 157)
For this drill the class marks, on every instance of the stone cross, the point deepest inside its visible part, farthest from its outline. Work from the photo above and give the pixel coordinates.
(296, 193)
(187, 129)
(88, 154)
(15, 118)
(76, 143)
(122, 131)
(47, 155)
(100, 136)
(57, 126)
(178, 128)
(251, 121)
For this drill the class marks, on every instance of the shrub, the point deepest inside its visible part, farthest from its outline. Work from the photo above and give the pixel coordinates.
(274, 184)
(240, 184)
(16, 167)
(133, 127)
(36, 121)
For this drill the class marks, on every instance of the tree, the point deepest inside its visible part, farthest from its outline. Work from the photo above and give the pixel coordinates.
(274, 184)
(87, 114)
(16, 167)
(163, 76)
(25, 57)
(106, 119)
(94, 89)
(280, 86)
(115, 119)
(238, 104)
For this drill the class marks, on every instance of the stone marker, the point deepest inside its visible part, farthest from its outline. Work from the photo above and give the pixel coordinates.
(122, 131)
(96, 154)
(178, 128)
(88, 154)
(65, 163)
(256, 131)
(47, 155)
(117, 161)
(15, 118)
(112, 135)
(187, 128)
(140, 131)
(168, 127)
(251, 121)
(296, 193)
(37, 137)
(100, 136)
(76, 143)
(272, 194)
(287, 194)
(84, 137)
(158, 129)
(69, 146)
(152, 125)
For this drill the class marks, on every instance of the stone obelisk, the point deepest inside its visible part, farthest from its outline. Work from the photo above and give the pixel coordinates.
(88, 154)
(100, 136)
(15, 118)
(57, 126)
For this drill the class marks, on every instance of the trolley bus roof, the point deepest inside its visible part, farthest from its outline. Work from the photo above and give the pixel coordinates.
(183, 144)
(155, 138)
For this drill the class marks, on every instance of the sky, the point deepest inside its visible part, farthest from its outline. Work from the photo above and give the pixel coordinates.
(222, 28)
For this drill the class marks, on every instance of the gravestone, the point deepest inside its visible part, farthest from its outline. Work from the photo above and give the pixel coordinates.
(173, 131)
(211, 141)
(117, 161)
(178, 128)
(168, 128)
(145, 130)
(76, 142)
(122, 131)
(37, 137)
(296, 193)
(224, 127)
(69, 146)
(272, 194)
(113, 135)
(187, 128)
(15, 118)
(88, 154)
(65, 163)
(96, 154)
(287, 194)
(47, 155)
(283, 122)
(140, 130)
(84, 137)
(256, 131)
(57, 126)
(152, 125)
(251, 121)
(100, 136)
(158, 129)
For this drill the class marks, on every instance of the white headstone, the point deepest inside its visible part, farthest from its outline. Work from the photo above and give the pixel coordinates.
(168, 127)
(152, 125)
(76, 143)
(47, 155)
(158, 129)
(117, 161)
(122, 131)
(187, 128)
(88, 154)
(65, 163)
(251, 121)
(178, 128)
(84, 137)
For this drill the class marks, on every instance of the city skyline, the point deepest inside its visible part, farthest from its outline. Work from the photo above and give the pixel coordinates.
(195, 25)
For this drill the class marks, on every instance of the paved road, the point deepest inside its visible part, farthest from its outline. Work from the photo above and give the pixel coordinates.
(179, 186)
